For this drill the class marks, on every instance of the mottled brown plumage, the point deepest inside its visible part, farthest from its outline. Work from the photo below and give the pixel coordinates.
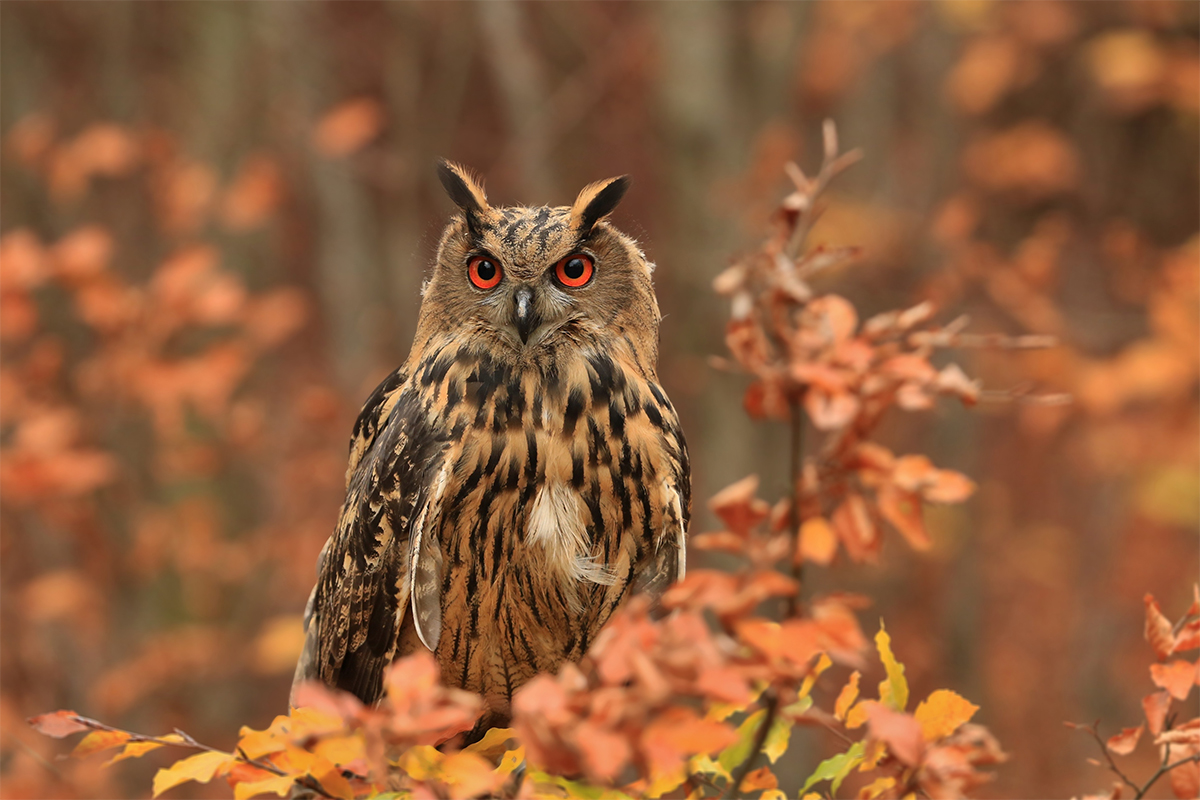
(521, 474)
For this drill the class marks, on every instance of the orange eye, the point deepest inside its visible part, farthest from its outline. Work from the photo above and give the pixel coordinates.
(574, 271)
(483, 272)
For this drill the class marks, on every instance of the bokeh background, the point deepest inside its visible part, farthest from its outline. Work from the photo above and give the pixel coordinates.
(216, 219)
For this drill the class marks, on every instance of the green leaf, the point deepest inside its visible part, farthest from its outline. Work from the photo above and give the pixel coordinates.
(776, 743)
(893, 691)
(836, 768)
(577, 789)
(739, 751)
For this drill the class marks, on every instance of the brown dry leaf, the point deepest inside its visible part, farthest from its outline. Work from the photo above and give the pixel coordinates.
(1155, 705)
(348, 127)
(1158, 629)
(1186, 734)
(275, 316)
(1130, 67)
(1124, 742)
(31, 138)
(948, 486)
(105, 149)
(58, 724)
(1177, 677)
(830, 411)
(22, 260)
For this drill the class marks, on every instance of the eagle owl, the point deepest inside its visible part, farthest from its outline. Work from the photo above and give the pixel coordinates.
(521, 474)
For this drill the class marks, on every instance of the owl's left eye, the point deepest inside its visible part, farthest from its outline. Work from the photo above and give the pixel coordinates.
(574, 271)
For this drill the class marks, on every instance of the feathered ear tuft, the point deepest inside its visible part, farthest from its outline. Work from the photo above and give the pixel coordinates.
(466, 193)
(597, 201)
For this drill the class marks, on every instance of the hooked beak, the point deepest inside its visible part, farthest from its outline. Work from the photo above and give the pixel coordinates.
(525, 316)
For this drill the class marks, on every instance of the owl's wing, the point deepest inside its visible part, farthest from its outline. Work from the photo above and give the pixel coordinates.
(668, 560)
(365, 574)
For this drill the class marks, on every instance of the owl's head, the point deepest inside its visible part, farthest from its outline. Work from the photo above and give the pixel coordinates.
(527, 278)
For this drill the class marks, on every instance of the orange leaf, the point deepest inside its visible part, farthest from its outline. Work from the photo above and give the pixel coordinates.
(758, 780)
(348, 127)
(738, 507)
(1176, 677)
(948, 486)
(942, 713)
(199, 768)
(58, 724)
(854, 526)
(903, 510)
(96, 741)
(1186, 734)
(1188, 638)
(1158, 629)
(1155, 706)
(604, 752)
(470, 775)
(1124, 742)
(899, 731)
(818, 543)
(847, 696)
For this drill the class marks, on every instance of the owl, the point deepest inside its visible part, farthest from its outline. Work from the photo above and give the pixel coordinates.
(521, 474)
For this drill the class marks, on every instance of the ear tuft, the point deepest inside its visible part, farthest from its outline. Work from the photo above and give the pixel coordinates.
(597, 201)
(465, 191)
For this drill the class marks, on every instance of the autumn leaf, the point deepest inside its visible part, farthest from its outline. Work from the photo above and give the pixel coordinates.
(96, 741)
(58, 724)
(942, 713)
(276, 784)
(847, 696)
(139, 749)
(893, 690)
(1176, 677)
(1158, 629)
(1155, 705)
(903, 510)
(836, 768)
(1188, 637)
(1124, 742)
(200, 768)
(348, 127)
(818, 543)
(901, 732)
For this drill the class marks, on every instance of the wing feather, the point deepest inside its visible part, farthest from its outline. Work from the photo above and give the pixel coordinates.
(362, 593)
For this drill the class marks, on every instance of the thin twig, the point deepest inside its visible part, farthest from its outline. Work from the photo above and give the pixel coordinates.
(795, 602)
(760, 738)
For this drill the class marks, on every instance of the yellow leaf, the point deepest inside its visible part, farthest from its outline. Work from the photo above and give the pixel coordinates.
(421, 763)
(856, 717)
(775, 794)
(494, 744)
(776, 743)
(138, 749)
(96, 741)
(942, 713)
(847, 696)
(306, 721)
(893, 691)
(666, 782)
(510, 761)
(276, 784)
(470, 775)
(199, 768)
(877, 787)
(818, 542)
(258, 743)
(341, 749)
(823, 663)
(706, 764)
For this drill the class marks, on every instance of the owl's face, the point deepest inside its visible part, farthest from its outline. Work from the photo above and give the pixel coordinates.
(524, 279)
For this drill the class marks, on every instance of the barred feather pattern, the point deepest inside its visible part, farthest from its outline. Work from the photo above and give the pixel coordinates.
(437, 545)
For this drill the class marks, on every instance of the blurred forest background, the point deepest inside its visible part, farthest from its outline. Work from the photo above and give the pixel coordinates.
(217, 218)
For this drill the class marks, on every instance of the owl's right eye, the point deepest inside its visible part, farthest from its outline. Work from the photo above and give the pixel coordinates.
(483, 272)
